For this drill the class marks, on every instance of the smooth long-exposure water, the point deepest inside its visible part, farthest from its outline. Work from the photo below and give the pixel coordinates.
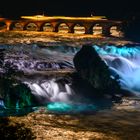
(42, 69)
(124, 61)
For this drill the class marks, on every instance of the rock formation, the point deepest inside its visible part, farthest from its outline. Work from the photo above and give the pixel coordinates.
(94, 70)
(13, 93)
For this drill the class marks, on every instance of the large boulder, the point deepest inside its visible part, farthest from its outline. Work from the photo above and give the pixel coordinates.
(94, 70)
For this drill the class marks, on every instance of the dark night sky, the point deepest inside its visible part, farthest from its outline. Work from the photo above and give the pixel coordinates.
(111, 9)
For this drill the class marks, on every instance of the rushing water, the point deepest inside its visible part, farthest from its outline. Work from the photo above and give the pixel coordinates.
(58, 93)
(125, 62)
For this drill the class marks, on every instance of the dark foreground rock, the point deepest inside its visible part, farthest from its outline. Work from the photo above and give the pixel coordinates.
(106, 125)
(14, 130)
(94, 70)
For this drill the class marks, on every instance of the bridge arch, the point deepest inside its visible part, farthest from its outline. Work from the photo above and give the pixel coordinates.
(31, 26)
(115, 31)
(79, 29)
(63, 28)
(47, 27)
(97, 29)
(3, 25)
(16, 26)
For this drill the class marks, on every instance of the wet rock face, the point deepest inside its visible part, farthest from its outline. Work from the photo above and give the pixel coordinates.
(13, 93)
(94, 70)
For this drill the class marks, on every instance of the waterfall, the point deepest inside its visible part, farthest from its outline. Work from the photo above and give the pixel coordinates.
(51, 91)
(125, 62)
(55, 92)
(59, 96)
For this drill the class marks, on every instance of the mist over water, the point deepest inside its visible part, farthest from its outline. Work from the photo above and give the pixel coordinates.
(125, 62)
(57, 93)
(122, 61)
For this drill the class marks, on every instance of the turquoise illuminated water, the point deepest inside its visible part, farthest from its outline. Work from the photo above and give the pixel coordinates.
(55, 92)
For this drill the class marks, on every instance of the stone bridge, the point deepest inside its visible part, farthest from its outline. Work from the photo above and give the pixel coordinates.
(88, 25)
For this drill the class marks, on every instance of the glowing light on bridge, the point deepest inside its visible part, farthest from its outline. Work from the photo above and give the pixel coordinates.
(42, 17)
(96, 25)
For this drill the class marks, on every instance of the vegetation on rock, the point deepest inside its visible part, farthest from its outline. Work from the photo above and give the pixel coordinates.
(13, 92)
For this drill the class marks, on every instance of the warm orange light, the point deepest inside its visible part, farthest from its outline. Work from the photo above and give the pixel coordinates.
(2, 19)
(42, 17)
(39, 16)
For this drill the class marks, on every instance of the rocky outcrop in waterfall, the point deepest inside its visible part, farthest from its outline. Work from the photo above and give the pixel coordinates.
(13, 93)
(94, 70)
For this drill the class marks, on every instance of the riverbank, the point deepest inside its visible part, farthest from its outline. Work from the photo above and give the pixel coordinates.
(50, 39)
(104, 125)
(119, 123)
